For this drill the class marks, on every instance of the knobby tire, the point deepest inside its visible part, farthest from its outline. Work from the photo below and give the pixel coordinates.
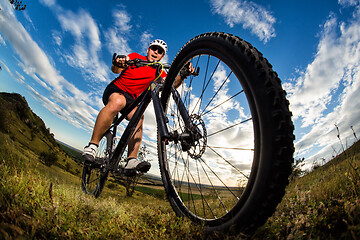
(232, 178)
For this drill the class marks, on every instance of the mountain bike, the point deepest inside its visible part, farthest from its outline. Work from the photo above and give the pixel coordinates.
(224, 135)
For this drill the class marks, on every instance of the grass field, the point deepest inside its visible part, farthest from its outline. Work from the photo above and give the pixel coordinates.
(40, 202)
(44, 201)
(47, 203)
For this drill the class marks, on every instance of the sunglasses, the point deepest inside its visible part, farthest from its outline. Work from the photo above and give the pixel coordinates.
(159, 49)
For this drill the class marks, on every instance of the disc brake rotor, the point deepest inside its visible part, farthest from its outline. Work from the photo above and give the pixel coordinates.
(199, 133)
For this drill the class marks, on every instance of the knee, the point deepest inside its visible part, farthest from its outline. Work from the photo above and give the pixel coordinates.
(116, 103)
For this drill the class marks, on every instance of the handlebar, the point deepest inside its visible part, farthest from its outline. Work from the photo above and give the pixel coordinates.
(138, 62)
(141, 63)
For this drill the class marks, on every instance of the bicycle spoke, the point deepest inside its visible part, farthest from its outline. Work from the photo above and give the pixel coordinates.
(191, 180)
(232, 148)
(217, 91)
(216, 175)
(227, 128)
(198, 175)
(202, 114)
(94, 180)
(212, 185)
(206, 85)
(190, 85)
(229, 163)
(187, 177)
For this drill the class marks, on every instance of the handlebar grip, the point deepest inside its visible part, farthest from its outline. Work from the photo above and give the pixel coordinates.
(115, 56)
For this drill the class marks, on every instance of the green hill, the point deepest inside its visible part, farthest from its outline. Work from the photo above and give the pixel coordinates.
(24, 127)
(18, 121)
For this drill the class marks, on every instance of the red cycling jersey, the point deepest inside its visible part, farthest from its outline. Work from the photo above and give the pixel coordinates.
(134, 80)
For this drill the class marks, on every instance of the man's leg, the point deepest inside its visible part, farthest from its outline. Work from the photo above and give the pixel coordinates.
(133, 149)
(103, 121)
(106, 116)
(135, 140)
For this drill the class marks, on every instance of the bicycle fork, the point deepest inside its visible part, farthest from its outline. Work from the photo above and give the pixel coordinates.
(191, 133)
(161, 119)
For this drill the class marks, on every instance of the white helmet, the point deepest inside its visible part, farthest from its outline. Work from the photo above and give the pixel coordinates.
(160, 43)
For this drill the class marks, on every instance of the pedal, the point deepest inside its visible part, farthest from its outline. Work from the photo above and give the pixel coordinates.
(129, 172)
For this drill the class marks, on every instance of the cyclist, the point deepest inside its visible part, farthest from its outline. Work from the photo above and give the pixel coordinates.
(120, 93)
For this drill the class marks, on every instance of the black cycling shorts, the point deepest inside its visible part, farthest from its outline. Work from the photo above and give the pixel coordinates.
(110, 89)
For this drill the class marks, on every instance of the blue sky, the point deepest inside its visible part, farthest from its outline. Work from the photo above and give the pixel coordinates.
(58, 55)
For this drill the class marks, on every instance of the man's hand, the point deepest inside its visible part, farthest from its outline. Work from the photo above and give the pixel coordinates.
(187, 70)
(119, 63)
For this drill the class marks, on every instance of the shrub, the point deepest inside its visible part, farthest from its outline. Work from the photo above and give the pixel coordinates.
(48, 158)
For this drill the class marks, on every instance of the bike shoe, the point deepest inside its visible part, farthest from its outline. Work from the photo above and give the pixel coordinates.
(89, 152)
(134, 165)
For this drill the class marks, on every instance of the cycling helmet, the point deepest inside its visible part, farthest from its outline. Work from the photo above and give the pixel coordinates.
(160, 43)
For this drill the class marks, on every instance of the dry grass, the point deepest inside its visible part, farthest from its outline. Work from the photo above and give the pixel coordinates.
(323, 204)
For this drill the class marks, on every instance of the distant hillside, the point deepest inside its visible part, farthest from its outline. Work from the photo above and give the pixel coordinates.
(74, 153)
(24, 126)
(27, 129)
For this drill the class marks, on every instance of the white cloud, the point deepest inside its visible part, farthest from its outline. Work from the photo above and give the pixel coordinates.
(87, 45)
(17, 76)
(122, 20)
(2, 41)
(327, 91)
(314, 87)
(115, 36)
(64, 96)
(57, 38)
(145, 39)
(49, 3)
(348, 2)
(30, 53)
(117, 43)
(248, 14)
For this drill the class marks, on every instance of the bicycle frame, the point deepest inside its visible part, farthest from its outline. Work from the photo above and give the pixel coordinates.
(142, 102)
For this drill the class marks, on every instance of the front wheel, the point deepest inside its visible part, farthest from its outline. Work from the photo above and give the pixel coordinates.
(231, 173)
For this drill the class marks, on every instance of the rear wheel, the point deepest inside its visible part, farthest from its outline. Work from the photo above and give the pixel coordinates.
(95, 174)
(231, 174)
